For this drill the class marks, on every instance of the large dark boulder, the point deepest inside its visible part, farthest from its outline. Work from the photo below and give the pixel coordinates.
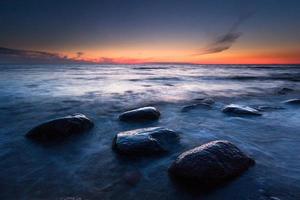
(145, 141)
(292, 101)
(210, 164)
(140, 114)
(240, 110)
(60, 128)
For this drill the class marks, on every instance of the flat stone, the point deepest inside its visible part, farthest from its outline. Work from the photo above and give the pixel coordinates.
(145, 141)
(140, 114)
(60, 128)
(240, 110)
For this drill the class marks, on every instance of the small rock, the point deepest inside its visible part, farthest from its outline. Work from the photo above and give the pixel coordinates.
(238, 109)
(210, 164)
(208, 101)
(140, 114)
(202, 103)
(274, 198)
(60, 128)
(292, 101)
(268, 108)
(285, 90)
(145, 141)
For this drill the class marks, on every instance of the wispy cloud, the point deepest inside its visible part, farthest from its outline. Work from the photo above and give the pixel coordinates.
(8, 55)
(226, 40)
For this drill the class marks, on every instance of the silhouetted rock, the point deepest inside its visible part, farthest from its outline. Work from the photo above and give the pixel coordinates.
(140, 114)
(210, 164)
(60, 128)
(292, 101)
(240, 110)
(145, 141)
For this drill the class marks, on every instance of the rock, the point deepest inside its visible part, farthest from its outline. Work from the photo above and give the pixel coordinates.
(60, 128)
(274, 198)
(268, 108)
(240, 110)
(207, 103)
(292, 101)
(285, 90)
(145, 141)
(140, 114)
(210, 164)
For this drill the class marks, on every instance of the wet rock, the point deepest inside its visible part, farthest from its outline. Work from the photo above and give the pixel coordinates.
(240, 110)
(204, 103)
(210, 164)
(60, 128)
(208, 101)
(292, 101)
(140, 114)
(285, 90)
(268, 108)
(145, 141)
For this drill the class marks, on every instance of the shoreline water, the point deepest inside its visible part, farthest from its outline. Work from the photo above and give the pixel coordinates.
(86, 167)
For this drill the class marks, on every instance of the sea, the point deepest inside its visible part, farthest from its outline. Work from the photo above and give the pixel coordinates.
(85, 166)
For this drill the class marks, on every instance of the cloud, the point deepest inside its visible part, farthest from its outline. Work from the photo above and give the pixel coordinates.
(79, 54)
(225, 41)
(17, 56)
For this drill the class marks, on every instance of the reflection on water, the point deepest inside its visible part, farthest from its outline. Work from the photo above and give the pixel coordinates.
(86, 166)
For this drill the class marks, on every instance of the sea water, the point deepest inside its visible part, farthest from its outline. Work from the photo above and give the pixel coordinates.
(86, 167)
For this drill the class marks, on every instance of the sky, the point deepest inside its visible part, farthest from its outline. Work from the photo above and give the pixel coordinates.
(152, 31)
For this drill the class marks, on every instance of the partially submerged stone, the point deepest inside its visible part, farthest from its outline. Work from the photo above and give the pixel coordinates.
(240, 110)
(140, 114)
(145, 141)
(210, 164)
(285, 90)
(268, 108)
(205, 103)
(60, 128)
(292, 101)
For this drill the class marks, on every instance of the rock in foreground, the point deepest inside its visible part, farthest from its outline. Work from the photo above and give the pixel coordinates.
(145, 141)
(240, 110)
(140, 114)
(60, 128)
(292, 101)
(210, 164)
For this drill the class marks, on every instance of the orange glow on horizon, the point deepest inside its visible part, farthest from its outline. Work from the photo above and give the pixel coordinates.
(185, 56)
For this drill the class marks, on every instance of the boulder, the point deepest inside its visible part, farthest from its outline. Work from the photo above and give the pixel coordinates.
(240, 110)
(292, 101)
(140, 114)
(210, 164)
(60, 128)
(145, 141)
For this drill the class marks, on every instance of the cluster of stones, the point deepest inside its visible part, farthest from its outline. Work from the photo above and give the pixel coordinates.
(209, 164)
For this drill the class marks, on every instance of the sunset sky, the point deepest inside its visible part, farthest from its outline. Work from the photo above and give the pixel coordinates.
(136, 31)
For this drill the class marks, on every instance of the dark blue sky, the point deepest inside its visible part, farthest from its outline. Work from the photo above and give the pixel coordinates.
(124, 28)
